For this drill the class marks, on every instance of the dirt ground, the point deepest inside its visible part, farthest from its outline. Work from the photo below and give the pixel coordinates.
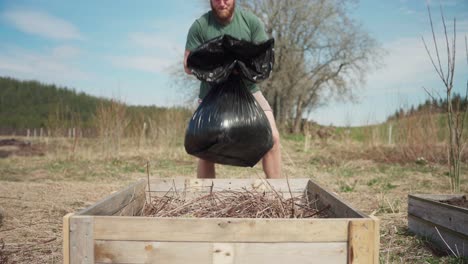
(460, 202)
(32, 226)
(37, 191)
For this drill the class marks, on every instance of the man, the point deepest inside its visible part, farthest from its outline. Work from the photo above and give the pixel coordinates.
(226, 18)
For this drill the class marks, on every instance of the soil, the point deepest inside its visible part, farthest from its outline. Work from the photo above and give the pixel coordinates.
(459, 201)
(31, 231)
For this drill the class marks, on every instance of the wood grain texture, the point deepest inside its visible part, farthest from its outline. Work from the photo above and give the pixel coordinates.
(134, 208)
(321, 198)
(115, 202)
(361, 242)
(81, 240)
(218, 253)
(220, 229)
(66, 238)
(457, 242)
(376, 239)
(451, 217)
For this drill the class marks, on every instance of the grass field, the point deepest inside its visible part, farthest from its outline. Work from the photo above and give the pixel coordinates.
(37, 191)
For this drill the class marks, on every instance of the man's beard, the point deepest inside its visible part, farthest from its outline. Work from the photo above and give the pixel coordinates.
(223, 16)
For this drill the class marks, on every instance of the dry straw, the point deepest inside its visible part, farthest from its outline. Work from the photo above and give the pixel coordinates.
(244, 203)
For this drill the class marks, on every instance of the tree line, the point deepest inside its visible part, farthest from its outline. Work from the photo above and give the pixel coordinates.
(432, 105)
(31, 104)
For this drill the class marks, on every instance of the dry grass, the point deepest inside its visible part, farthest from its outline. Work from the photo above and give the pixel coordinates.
(36, 191)
(3, 254)
(32, 228)
(234, 204)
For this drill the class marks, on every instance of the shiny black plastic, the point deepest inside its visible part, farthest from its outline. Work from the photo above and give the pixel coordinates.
(229, 127)
(215, 60)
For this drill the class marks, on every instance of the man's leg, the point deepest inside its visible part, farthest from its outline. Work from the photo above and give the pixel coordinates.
(206, 169)
(271, 162)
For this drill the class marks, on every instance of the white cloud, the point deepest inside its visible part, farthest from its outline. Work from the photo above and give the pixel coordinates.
(156, 42)
(407, 63)
(65, 51)
(158, 52)
(42, 24)
(49, 66)
(143, 63)
(438, 3)
(407, 11)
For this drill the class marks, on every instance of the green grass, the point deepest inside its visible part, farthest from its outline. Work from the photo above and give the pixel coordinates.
(399, 129)
(347, 187)
(293, 137)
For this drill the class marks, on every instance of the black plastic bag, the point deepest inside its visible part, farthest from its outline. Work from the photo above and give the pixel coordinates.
(215, 60)
(229, 127)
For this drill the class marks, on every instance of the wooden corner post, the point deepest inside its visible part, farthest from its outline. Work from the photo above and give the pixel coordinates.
(66, 238)
(362, 245)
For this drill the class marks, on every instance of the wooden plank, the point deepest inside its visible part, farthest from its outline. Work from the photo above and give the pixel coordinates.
(452, 217)
(323, 198)
(152, 252)
(376, 238)
(437, 197)
(191, 195)
(81, 240)
(116, 201)
(205, 185)
(134, 208)
(66, 238)
(457, 242)
(281, 253)
(218, 253)
(432, 200)
(361, 242)
(224, 253)
(220, 229)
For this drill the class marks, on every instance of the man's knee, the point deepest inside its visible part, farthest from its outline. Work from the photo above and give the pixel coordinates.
(276, 138)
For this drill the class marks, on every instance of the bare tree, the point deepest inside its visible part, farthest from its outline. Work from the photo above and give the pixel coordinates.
(186, 84)
(455, 117)
(321, 54)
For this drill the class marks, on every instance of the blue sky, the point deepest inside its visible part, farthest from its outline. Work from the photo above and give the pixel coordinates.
(127, 49)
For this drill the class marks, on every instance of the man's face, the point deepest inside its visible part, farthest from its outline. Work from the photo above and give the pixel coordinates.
(223, 9)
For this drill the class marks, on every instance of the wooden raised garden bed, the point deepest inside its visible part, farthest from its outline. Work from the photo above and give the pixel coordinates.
(446, 225)
(112, 230)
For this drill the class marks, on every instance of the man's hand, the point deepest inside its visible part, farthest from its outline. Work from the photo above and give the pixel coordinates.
(187, 70)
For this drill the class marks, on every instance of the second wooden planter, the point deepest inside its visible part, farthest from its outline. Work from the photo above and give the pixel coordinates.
(443, 224)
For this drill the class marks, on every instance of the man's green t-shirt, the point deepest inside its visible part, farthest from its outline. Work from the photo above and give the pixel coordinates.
(244, 25)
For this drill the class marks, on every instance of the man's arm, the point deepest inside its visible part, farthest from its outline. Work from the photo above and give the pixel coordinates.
(187, 70)
(257, 29)
(194, 39)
